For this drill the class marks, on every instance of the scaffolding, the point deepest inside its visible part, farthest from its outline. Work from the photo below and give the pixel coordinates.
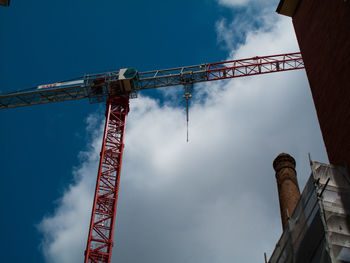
(319, 229)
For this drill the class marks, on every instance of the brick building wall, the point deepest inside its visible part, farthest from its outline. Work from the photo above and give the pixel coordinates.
(322, 28)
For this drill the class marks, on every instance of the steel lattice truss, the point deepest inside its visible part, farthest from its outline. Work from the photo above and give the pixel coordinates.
(85, 87)
(100, 240)
(254, 66)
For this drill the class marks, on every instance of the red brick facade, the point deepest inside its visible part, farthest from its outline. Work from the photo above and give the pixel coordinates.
(323, 31)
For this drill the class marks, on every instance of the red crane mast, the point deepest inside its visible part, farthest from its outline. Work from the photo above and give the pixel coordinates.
(117, 87)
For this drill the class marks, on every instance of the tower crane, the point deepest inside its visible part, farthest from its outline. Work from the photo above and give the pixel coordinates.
(116, 88)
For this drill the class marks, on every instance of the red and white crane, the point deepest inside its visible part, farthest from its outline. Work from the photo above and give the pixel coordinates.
(116, 88)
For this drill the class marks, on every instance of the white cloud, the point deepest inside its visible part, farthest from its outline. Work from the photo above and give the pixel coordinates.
(234, 2)
(65, 232)
(245, 3)
(276, 37)
(213, 199)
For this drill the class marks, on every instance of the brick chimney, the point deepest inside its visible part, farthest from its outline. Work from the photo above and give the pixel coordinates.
(287, 184)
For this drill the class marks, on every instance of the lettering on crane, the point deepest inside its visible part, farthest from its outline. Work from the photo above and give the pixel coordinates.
(47, 86)
(60, 84)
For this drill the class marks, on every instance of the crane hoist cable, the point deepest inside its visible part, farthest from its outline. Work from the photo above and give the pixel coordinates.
(187, 96)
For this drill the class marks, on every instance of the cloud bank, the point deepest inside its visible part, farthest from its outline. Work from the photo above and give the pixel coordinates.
(213, 199)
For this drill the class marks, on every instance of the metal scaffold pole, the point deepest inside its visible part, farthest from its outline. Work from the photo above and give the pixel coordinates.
(100, 239)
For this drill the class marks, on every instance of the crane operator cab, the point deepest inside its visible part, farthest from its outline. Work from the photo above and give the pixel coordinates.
(125, 81)
(128, 80)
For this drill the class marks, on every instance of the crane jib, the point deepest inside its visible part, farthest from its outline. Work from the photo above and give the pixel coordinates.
(97, 87)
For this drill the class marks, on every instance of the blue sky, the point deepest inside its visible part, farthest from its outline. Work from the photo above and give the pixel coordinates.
(48, 152)
(44, 42)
